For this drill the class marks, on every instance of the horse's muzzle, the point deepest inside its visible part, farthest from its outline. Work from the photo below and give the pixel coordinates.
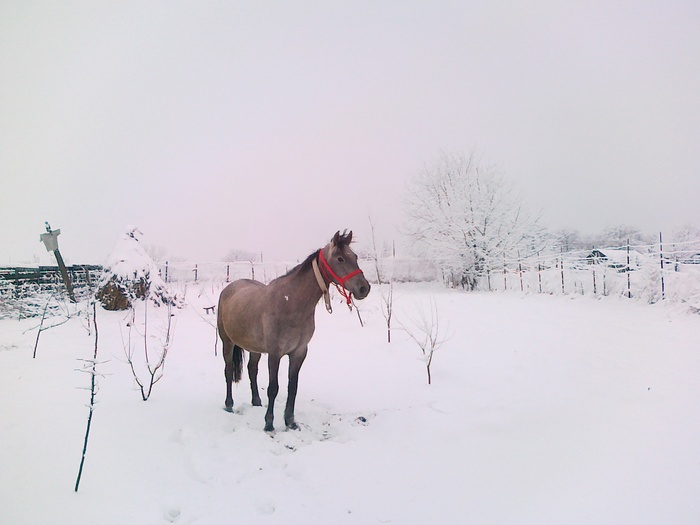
(363, 290)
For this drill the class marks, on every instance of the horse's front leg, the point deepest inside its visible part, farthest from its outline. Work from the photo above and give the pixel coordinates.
(253, 375)
(296, 359)
(273, 366)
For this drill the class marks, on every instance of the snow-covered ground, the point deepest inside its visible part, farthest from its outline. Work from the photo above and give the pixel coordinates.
(542, 410)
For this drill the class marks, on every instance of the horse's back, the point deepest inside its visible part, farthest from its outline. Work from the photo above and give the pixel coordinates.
(238, 286)
(240, 311)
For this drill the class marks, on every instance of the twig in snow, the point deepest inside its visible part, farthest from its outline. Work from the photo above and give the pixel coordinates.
(93, 392)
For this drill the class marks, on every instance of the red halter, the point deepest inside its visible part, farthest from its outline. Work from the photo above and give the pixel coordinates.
(332, 277)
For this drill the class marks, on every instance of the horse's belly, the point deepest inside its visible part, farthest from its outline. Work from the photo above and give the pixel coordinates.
(285, 338)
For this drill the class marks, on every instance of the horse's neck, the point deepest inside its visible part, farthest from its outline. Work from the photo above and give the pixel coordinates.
(304, 288)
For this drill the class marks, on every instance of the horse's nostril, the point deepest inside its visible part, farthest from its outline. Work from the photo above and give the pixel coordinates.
(364, 290)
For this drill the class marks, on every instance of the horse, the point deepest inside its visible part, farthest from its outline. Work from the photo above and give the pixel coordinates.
(278, 319)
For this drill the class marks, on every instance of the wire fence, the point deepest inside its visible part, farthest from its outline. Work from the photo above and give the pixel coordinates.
(403, 269)
(652, 272)
(649, 272)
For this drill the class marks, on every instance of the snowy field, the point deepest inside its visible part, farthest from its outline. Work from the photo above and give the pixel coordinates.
(570, 410)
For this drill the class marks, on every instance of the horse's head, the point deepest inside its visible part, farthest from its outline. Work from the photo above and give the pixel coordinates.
(339, 266)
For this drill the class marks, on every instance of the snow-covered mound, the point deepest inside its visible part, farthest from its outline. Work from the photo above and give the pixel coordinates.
(131, 274)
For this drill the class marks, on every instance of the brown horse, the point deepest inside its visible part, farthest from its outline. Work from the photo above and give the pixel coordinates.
(278, 319)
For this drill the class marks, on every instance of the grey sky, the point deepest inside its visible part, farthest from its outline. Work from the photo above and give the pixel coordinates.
(269, 125)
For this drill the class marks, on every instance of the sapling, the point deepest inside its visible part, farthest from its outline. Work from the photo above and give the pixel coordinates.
(387, 310)
(91, 368)
(427, 333)
(387, 300)
(153, 359)
(43, 328)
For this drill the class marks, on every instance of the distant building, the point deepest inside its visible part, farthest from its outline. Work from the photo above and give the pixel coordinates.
(616, 258)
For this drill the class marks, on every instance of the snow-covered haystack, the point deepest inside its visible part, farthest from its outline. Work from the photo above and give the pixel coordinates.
(131, 274)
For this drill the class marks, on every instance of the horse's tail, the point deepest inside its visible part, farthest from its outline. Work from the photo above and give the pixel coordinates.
(237, 363)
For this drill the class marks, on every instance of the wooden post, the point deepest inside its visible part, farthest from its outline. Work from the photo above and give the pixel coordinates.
(520, 271)
(561, 264)
(605, 282)
(661, 256)
(50, 240)
(595, 292)
(629, 288)
(64, 275)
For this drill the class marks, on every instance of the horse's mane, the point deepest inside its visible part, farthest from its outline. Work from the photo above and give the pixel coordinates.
(307, 263)
(304, 265)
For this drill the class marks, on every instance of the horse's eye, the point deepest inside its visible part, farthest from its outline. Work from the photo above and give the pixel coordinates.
(341, 260)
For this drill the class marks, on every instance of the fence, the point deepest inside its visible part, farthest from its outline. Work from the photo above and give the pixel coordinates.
(649, 272)
(24, 291)
(396, 269)
(184, 272)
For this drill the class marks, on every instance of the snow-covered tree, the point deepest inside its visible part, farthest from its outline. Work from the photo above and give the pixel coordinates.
(467, 217)
(621, 234)
(236, 255)
(569, 240)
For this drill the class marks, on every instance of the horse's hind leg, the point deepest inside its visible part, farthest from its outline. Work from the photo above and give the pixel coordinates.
(253, 375)
(228, 372)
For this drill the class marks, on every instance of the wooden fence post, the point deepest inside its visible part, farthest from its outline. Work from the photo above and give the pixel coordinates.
(661, 256)
(520, 270)
(561, 267)
(629, 288)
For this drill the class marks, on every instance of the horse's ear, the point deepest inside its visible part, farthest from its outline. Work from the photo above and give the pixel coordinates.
(336, 238)
(343, 239)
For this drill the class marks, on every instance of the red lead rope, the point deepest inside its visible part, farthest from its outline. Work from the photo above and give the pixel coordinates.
(339, 282)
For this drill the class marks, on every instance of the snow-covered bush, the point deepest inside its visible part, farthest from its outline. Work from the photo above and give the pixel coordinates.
(131, 274)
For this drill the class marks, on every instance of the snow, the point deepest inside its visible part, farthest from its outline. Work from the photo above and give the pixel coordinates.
(129, 268)
(543, 409)
(129, 259)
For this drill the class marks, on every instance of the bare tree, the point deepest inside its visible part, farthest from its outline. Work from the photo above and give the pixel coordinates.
(465, 217)
(374, 252)
(619, 236)
(156, 253)
(570, 240)
(387, 311)
(427, 333)
(236, 255)
(147, 367)
(387, 298)
(67, 316)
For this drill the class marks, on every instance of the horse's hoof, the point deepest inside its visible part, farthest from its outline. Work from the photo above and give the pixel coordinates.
(269, 427)
(293, 426)
(257, 403)
(228, 409)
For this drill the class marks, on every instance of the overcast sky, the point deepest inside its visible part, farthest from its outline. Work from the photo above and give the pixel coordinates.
(267, 126)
